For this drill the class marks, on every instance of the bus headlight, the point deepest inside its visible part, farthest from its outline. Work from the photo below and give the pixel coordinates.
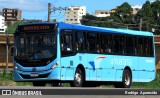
(55, 65)
(15, 67)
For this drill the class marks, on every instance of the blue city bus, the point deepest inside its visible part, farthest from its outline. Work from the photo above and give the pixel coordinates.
(82, 55)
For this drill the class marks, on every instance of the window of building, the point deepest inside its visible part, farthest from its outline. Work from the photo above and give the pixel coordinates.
(71, 19)
(75, 19)
(74, 12)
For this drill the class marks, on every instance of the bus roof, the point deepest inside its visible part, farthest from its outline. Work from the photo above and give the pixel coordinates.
(63, 25)
(103, 29)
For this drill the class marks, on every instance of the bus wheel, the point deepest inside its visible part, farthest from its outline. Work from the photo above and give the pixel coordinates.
(38, 83)
(126, 80)
(78, 78)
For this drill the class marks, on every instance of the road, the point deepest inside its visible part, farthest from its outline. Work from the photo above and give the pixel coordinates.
(68, 92)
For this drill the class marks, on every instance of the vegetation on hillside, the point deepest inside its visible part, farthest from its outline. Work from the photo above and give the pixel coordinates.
(147, 19)
(12, 26)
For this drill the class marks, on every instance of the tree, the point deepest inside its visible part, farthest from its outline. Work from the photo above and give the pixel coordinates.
(12, 27)
(148, 18)
(124, 11)
(156, 15)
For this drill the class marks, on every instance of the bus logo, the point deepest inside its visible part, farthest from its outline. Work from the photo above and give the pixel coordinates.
(34, 69)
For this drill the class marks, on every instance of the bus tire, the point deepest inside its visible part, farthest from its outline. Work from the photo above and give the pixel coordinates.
(38, 83)
(78, 79)
(126, 80)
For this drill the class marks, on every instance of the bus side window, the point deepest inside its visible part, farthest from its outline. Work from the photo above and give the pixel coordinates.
(148, 47)
(106, 43)
(116, 44)
(135, 45)
(67, 43)
(150, 50)
(91, 42)
(130, 45)
(80, 41)
(140, 46)
(122, 44)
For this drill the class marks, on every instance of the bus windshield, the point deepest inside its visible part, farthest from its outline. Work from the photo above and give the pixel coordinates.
(35, 46)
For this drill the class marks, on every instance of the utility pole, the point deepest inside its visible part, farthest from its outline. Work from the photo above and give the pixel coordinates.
(140, 25)
(54, 9)
(49, 11)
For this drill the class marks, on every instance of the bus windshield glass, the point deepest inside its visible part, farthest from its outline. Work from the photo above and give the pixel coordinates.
(35, 46)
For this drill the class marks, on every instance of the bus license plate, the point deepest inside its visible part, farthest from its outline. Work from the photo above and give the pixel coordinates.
(33, 74)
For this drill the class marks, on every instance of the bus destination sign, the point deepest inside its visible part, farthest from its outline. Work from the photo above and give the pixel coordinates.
(36, 28)
(42, 27)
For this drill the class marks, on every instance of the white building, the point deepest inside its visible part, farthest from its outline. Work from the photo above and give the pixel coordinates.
(136, 8)
(102, 13)
(2, 24)
(74, 14)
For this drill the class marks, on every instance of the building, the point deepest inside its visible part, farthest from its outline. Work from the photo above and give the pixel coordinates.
(2, 24)
(102, 13)
(74, 14)
(11, 14)
(136, 8)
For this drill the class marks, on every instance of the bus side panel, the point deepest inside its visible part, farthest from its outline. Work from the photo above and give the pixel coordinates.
(133, 64)
(119, 74)
(92, 66)
(122, 62)
(67, 70)
(100, 68)
(69, 65)
(108, 69)
(146, 69)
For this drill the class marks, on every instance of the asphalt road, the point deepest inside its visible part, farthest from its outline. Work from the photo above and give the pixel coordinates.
(65, 92)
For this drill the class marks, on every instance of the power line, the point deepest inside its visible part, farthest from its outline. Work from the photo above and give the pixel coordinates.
(54, 9)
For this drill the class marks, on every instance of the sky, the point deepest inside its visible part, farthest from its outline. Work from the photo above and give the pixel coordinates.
(37, 9)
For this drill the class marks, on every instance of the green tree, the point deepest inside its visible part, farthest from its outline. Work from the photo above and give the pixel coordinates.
(156, 15)
(12, 27)
(124, 12)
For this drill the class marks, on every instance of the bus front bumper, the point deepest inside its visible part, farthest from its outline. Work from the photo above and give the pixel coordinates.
(50, 75)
